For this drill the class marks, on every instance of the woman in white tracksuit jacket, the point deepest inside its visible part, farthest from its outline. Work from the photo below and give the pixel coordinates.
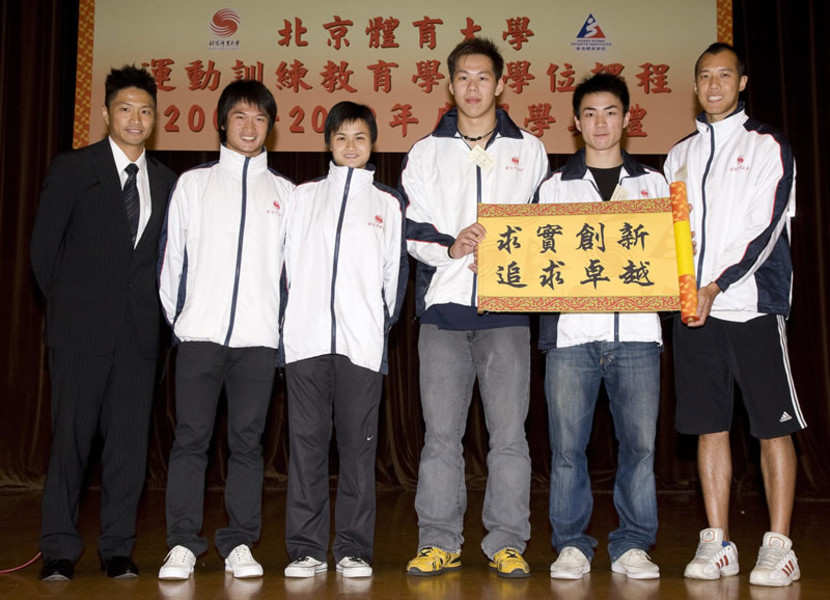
(345, 272)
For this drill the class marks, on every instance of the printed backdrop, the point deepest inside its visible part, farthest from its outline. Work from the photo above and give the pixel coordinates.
(392, 56)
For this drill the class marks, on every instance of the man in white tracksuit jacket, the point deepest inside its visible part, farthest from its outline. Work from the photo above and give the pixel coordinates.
(585, 349)
(221, 258)
(740, 179)
(346, 269)
(476, 154)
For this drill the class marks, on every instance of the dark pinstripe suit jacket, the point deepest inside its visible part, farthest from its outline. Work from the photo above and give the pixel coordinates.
(84, 260)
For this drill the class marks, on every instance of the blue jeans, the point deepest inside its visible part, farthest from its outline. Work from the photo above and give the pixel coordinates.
(450, 363)
(631, 371)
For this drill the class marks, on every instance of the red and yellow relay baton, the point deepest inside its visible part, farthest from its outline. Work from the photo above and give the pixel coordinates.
(685, 254)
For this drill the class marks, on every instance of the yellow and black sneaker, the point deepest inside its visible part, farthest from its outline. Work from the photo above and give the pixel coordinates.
(509, 563)
(433, 561)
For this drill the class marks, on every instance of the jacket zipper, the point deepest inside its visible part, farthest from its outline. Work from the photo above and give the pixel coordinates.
(239, 250)
(335, 260)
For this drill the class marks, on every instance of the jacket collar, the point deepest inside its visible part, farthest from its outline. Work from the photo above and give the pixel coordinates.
(360, 177)
(576, 168)
(505, 127)
(725, 126)
(236, 161)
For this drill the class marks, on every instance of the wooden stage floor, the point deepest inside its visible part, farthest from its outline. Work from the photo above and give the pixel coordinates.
(681, 515)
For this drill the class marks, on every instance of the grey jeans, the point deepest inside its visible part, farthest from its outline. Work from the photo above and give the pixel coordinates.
(450, 363)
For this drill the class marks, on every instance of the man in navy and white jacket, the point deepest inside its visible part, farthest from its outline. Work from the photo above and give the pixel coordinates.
(584, 349)
(740, 179)
(219, 284)
(476, 154)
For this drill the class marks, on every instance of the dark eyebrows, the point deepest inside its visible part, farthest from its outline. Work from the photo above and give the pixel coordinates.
(466, 72)
(598, 108)
(240, 111)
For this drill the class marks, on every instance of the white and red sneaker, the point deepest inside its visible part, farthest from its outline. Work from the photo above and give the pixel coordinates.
(777, 564)
(714, 557)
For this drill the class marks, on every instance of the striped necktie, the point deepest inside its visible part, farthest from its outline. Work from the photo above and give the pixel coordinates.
(131, 201)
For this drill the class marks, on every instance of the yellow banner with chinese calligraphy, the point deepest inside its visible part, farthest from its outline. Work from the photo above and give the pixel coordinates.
(625, 256)
(392, 56)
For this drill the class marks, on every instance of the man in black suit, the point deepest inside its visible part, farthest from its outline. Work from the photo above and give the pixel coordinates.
(94, 253)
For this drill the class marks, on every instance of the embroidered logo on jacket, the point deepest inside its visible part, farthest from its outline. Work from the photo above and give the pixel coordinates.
(514, 165)
(739, 165)
(378, 222)
(275, 210)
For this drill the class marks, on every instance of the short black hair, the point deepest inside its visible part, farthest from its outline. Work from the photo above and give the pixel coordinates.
(717, 48)
(348, 112)
(126, 77)
(249, 91)
(477, 45)
(601, 82)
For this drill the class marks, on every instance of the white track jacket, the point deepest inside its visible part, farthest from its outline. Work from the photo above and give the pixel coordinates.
(740, 180)
(443, 187)
(574, 183)
(346, 268)
(221, 252)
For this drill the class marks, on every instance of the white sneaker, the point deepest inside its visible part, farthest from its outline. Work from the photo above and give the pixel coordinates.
(713, 558)
(636, 564)
(352, 566)
(777, 564)
(178, 564)
(305, 567)
(571, 564)
(242, 564)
